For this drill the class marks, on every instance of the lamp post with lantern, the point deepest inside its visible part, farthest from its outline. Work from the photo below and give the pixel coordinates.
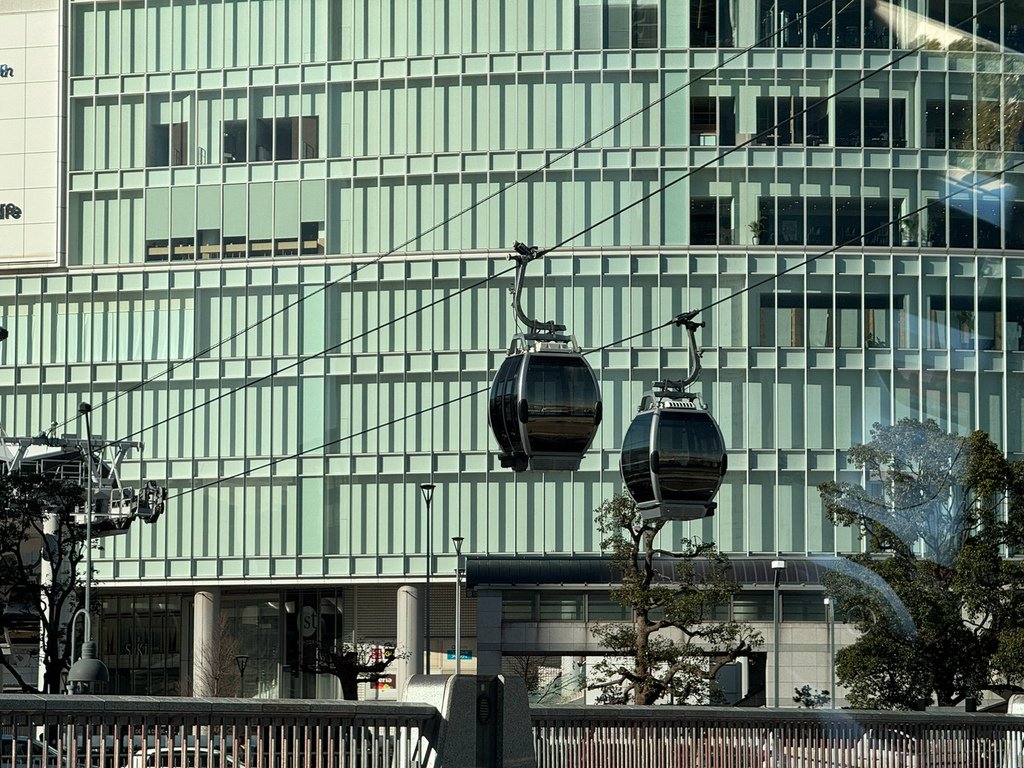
(457, 541)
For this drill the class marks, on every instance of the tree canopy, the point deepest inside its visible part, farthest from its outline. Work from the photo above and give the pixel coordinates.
(352, 664)
(937, 512)
(25, 500)
(674, 638)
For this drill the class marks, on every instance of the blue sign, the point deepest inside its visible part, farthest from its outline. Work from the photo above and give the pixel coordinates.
(466, 655)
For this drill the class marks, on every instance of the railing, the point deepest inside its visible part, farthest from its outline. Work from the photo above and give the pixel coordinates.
(135, 732)
(715, 737)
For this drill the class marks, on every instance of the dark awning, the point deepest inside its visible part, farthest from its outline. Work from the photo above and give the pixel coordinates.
(596, 571)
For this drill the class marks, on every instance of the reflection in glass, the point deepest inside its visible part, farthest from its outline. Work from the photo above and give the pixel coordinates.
(562, 397)
(635, 462)
(690, 453)
(503, 415)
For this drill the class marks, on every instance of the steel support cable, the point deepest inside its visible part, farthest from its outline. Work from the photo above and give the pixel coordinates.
(438, 406)
(604, 220)
(852, 241)
(306, 358)
(487, 198)
(328, 444)
(644, 198)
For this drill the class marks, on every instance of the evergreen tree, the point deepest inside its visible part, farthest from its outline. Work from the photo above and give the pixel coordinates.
(674, 640)
(937, 513)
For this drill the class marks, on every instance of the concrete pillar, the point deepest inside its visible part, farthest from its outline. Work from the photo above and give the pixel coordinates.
(488, 632)
(470, 733)
(205, 631)
(409, 640)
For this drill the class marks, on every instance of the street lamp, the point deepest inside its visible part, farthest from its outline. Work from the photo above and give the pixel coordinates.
(241, 660)
(778, 566)
(830, 621)
(457, 541)
(88, 669)
(427, 489)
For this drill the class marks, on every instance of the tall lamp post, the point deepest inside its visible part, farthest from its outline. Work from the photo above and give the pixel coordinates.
(88, 669)
(457, 541)
(778, 566)
(427, 489)
(830, 621)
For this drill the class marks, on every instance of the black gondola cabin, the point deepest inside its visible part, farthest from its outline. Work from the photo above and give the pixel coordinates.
(673, 457)
(545, 406)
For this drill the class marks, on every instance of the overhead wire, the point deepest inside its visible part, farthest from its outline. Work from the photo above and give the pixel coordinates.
(557, 157)
(644, 198)
(591, 227)
(437, 406)
(635, 203)
(306, 358)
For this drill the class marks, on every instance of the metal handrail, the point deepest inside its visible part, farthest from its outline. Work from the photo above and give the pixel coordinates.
(137, 732)
(570, 737)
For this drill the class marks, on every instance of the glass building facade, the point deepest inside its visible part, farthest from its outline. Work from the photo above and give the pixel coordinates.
(289, 219)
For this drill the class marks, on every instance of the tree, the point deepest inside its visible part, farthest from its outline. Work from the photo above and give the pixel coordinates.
(811, 698)
(26, 540)
(683, 666)
(217, 672)
(352, 664)
(527, 667)
(936, 513)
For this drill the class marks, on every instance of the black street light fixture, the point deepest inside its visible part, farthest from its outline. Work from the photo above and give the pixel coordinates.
(427, 489)
(457, 541)
(830, 619)
(241, 660)
(88, 669)
(778, 566)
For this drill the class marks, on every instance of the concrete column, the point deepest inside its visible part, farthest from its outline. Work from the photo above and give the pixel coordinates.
(205, 631)
(409, 640)
(488, 632)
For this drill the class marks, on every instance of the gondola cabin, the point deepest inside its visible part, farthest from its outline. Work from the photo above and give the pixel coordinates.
(545, 406)
(673, 457)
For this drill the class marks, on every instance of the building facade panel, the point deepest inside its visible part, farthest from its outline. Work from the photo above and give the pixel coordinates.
(302, 207)
(31, 145)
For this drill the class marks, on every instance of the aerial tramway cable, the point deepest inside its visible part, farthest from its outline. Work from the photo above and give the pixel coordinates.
(466, 396)
(520, 179)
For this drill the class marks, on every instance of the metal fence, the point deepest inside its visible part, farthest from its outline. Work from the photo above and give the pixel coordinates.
(713, 737)
(145, 732)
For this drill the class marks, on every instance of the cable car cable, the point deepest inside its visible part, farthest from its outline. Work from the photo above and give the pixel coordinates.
(460, 398)
(540, 252)
(354, 435)
(487, 198)
(306, 358)
(852, 241)
(752, 139)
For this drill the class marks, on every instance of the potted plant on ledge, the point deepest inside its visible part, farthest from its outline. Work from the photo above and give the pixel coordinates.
(757, 228)
(965, 329)
(909, 230)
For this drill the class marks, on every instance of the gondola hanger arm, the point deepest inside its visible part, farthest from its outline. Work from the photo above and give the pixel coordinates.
(522, 255)
(687, 319)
